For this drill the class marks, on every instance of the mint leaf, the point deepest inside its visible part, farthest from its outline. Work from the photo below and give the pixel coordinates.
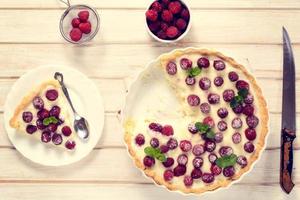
(236, 101)
(226, 161)
(150, 151)
(203, 128)
(155, 153)
(50, 120)
(161, 158)
(194, 71)
(239, 99)
(243, 93)
(210, 134)
(233, 103)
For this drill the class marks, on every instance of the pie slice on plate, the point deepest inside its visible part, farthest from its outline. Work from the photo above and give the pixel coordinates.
(221, 131)
(44, 114)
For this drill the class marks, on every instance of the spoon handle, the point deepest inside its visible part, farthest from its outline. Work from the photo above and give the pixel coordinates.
(60, 78)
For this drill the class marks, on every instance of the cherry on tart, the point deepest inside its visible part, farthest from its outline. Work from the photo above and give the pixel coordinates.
(223, 129)
(43, 114)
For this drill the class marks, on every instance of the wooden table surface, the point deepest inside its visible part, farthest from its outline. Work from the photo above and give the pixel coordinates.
(248, 30)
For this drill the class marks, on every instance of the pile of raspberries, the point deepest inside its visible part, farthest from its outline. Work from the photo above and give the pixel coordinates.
(167, 19)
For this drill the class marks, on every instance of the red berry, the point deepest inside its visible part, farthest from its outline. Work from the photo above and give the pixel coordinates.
(172, 32)
(185, 145)
(181, 24)
(171, 68)
(196, 173)
(169, 162)
(209, 121)
(148, 161)
(70, 144)
(185, 14)
(75, 22)
(168, 175)
(57, 139)
(166, 2)
(85, 27)
(156, 6)
(249, 147)
(167, 16)
(154, 26)
(193, 100)
(215, 169)
(175, 7)
(242, 85)
(51, 94)
(66, 131)
(164, 26)
(140, 139)
(250, 134)
(155, 127)
(188, 181)
(161, 34)
(151, 15)
(164, 148)
(167, 130)
(248, 110)
(208, 178)
(83, 15)
(75, 34)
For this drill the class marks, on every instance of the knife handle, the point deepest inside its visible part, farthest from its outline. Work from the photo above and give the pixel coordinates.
(286, 163)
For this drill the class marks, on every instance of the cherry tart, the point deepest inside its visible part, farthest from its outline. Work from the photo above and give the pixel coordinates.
(221, 132)
(43, 114)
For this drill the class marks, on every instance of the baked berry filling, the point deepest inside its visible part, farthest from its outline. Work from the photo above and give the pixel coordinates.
(48, 122)
(218, 141)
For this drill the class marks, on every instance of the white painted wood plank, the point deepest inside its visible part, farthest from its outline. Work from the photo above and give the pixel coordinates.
(115, 60)
(239, 26)
(203, 4)
(113, 135)
(50, 191)
(97, 167)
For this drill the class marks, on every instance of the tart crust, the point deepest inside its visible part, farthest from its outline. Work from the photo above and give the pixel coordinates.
(264, 121)
(14, 122)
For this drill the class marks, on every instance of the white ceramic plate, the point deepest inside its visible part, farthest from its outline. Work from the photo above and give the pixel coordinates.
(87, 101)
(150, 97)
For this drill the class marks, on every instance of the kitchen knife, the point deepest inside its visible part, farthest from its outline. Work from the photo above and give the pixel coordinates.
(288, 121)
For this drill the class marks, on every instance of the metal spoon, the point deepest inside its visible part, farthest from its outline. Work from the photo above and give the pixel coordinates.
(81, 125)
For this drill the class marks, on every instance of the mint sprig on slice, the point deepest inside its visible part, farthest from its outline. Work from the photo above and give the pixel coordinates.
(50, 120)
(155, 153)
(226, 161)
(195, 71)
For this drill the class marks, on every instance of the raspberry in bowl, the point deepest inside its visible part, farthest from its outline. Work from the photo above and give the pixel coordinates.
(79, 24)
(168, 21)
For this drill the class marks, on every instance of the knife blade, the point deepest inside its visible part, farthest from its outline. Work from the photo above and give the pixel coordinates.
(288, 121)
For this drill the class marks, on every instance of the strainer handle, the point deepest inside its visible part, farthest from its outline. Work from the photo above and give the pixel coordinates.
(67, 2)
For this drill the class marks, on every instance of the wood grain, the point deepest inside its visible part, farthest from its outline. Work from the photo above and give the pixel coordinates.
(123, 60)
(247, 30)
(97, 167)
(142, 4)
(135, 192)
(242, 26)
